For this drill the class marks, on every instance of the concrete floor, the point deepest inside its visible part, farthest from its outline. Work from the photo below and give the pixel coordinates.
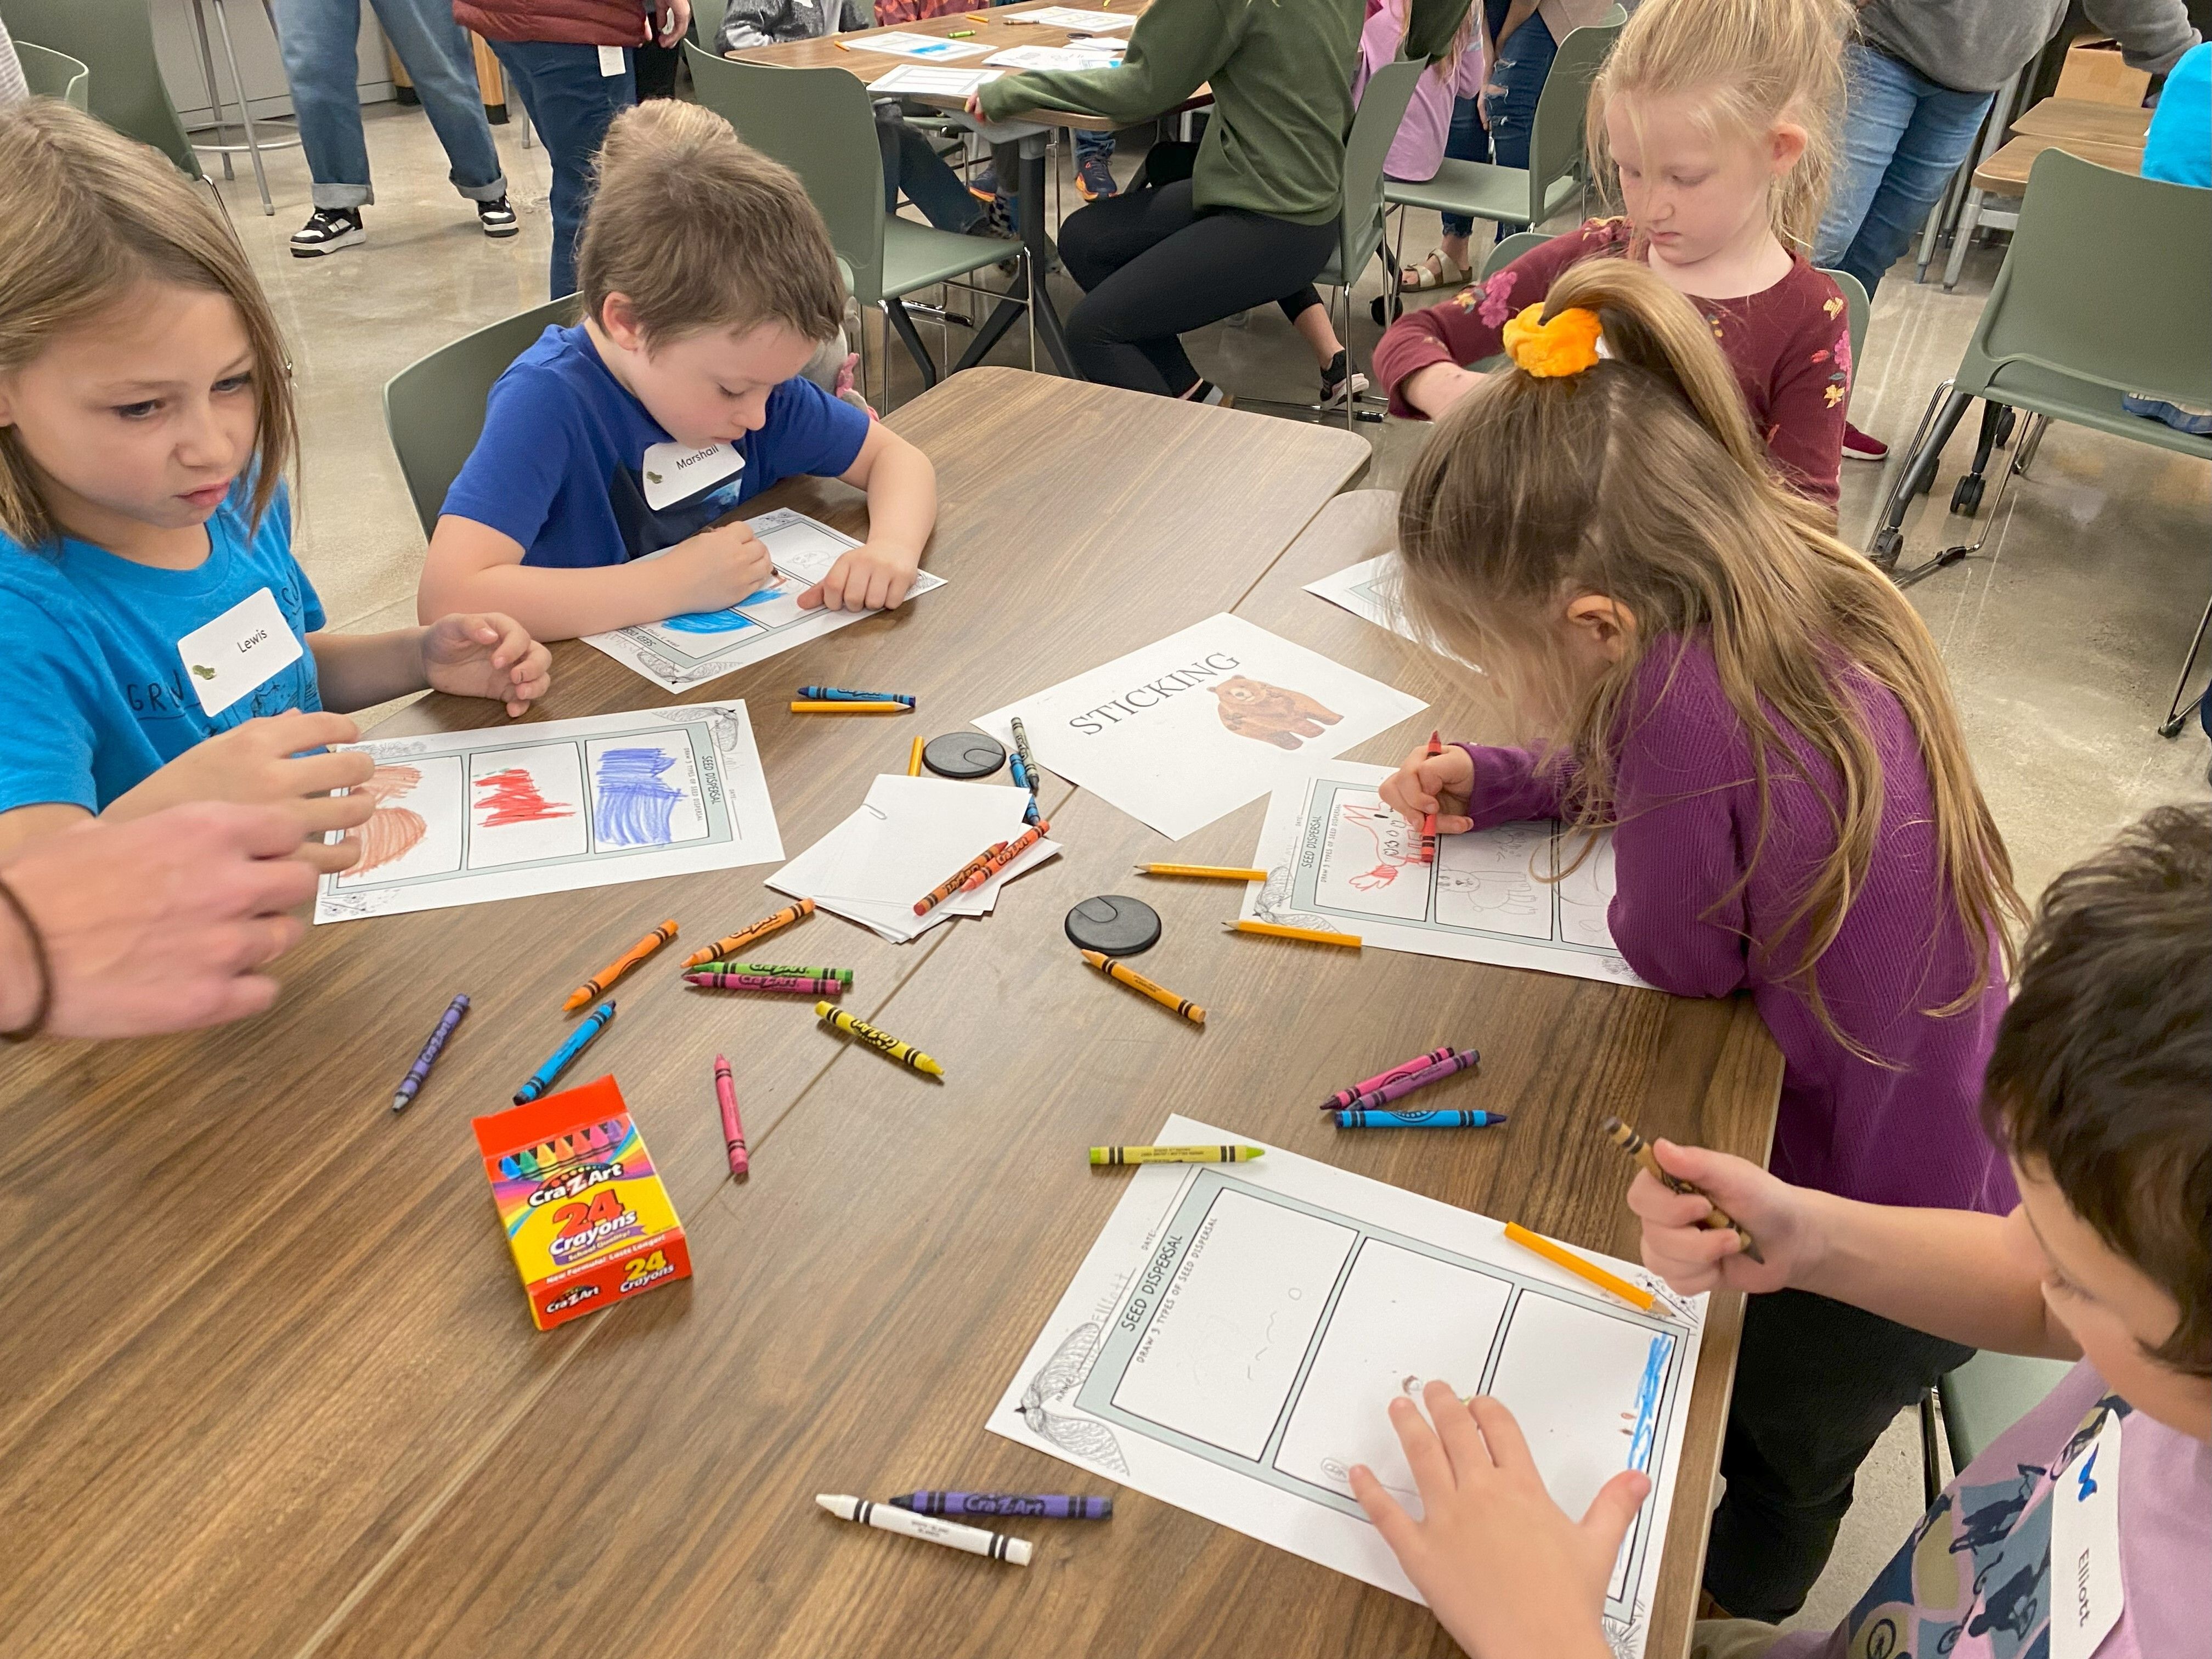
(2062, 642)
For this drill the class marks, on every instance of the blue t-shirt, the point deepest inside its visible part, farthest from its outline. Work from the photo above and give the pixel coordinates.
(560, 465)
(98, 697)
(2178, 149)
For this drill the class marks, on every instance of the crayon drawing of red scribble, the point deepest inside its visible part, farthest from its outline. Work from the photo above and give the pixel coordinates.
(511, 797)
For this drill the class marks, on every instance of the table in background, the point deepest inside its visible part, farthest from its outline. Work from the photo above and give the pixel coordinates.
(275, 1390)
(2080, 118)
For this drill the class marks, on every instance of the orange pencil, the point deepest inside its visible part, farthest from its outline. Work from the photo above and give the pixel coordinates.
(1642, 1300)
(730, 946)
(597, 986)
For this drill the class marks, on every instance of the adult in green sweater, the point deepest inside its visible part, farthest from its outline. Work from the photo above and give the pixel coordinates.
(1256, 221)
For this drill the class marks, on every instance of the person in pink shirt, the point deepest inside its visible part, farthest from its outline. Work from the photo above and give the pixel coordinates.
(1418, 149)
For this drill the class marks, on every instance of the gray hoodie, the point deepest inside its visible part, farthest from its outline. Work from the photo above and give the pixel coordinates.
(1976, 46)
(772, 22)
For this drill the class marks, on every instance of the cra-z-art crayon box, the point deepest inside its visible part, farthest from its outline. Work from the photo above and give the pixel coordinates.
(587, 1216)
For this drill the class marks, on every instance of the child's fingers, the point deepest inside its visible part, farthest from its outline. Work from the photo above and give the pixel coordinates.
(335, 768)
(1399, 1529)
(299, 728)
(1448, 824)
(1509, 1447)
(1424, 1453)
(1462, 1443)
(1658, 1206)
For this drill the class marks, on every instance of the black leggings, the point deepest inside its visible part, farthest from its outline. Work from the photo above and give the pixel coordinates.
(1152, 267)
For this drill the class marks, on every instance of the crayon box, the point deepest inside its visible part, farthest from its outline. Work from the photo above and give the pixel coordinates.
(587, 1216)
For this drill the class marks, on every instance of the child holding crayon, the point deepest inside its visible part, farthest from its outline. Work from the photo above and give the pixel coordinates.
(2096, 1089)
(164, 645)
(1765, 725)
(709, 283)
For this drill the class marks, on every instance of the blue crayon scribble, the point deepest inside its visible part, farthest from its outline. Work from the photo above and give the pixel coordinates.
(726, 620)
(631, 805)
(1647, 1403)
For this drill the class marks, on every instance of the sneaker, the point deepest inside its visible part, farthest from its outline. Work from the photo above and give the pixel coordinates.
(1339, 380)
(327, 230)
(1205, 392)
(497, 218)
(1094, 179)
(984, 183)
(1858, 446)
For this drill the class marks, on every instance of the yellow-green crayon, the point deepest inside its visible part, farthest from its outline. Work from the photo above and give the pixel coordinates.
(882, 1042)
(1104, 1156)
(777, 970)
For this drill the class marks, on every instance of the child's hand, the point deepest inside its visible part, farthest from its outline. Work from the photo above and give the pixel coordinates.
(486, 655)
(259, 761)
(1692, 1258)
(974, 105)
(1504, 1571)
(1429, 783)
(715, 568)
(868, 578)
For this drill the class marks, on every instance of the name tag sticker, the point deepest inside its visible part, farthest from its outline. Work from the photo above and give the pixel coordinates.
(676, 472)
(245, 646)
(2085, 1547)
(611, 61)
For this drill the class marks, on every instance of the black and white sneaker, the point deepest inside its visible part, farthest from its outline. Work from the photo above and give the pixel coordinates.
(497, 218)
(1340, 380)
(327, 230)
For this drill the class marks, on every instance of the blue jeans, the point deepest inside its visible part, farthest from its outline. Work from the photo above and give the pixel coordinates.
(1511, 89)
(1903, 137)
(317, 38)
(911, 164)
(572, 105)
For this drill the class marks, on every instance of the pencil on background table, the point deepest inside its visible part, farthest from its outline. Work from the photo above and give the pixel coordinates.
(1634, 1295)
(834, 707)
(730, 945)
(604, 982)
(1136, 981)
(1203, 872)
(1275, 930)
(914, 759)
(1716, 1219)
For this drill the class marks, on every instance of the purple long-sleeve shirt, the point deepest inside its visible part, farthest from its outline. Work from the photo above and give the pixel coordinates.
(1907, 1133)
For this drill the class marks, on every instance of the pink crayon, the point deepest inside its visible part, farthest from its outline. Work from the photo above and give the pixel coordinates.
(1342, 1099)
(811, 987)
(1376, 1098)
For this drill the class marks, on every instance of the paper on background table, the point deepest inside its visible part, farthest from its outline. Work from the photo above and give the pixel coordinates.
(705, 645)
(1055, 57)
(463, 817)
(902, 44)
(1337, 859)
(1070, 17)
(936, 82)
(909, 835)
(1198, 724)
(1233, 1340)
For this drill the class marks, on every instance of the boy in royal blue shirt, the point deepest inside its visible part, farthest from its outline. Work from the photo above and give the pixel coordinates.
(707, 282)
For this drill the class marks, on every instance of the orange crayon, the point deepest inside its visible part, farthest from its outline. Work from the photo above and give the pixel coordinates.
(597, 986)
(953, 882)
(761, 929)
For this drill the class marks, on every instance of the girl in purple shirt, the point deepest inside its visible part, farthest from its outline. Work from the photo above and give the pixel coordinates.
(1763, 723)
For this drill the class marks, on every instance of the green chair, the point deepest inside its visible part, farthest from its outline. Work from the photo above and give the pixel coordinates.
(433, 408)
(2101, 294)
(1981, 1400)
(819, 123)
(53, 73)
(1857, 306)
(114, 39)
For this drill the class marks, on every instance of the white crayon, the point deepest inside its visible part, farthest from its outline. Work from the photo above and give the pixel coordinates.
(905, 1523)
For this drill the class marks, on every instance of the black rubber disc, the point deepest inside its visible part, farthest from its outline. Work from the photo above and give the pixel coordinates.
(963, 755)
(1114, 925)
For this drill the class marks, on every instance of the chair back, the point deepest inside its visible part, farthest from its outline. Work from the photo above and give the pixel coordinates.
(433, 408)
(53, 73)
(1555, 141)
(1366, 149)
(820, 124)
(2104, 281)
(1856, 305)
(114, 39)
(1507, 249)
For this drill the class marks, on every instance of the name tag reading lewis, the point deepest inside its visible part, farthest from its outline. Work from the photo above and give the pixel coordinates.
(676, 472)
(244, 648)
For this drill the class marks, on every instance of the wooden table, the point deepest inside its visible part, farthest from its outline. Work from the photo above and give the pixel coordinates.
(2084, 119)
(2004, 173)
(271, 1389)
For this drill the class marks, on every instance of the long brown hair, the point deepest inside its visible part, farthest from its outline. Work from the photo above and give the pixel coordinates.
(1749, 63)
(1641, 479)
(89, 214)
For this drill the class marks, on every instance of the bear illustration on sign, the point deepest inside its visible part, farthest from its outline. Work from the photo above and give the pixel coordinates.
(1271, 714)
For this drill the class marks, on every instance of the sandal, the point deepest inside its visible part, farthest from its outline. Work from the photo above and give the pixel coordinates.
(1438, 271)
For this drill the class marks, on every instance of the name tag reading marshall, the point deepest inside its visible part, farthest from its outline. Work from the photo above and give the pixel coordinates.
(676, 472)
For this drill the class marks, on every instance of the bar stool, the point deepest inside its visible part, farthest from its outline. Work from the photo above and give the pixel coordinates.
(254, 143)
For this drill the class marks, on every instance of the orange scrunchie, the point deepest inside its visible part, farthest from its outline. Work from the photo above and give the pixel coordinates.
(1566, 346)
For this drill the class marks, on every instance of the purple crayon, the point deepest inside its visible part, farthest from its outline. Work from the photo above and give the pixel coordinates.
(1342, 1099)
(1421, 1079)
(423, 1061)
(812, 987)
(1047, 1506)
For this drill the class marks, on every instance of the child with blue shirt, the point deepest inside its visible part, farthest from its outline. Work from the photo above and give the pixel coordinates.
(164, 645)
(707, 282)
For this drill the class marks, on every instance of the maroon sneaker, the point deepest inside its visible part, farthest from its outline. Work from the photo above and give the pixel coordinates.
(1858, 447)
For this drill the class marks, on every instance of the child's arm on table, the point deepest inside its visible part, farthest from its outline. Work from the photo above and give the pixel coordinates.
(1953, 1272)
(484, 656)
(1472, 786)
(473, 567)
(902, 488)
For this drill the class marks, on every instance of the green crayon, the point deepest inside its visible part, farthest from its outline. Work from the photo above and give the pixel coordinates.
(776, 970)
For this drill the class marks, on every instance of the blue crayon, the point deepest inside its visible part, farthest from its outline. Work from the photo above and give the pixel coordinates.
(562, 1057)
(1417, 1119)
(1044, 1506)
(510, 1168)
(838, 693)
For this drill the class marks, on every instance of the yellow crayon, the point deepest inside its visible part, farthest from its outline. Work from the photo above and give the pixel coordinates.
(1104, 1156)
(596, 986)
(913, 760)
(808, 706)
(1274, 930)
(1136, 981)
(729, 946)
(1209, 871)
(1636, 1298)
(882, 1042)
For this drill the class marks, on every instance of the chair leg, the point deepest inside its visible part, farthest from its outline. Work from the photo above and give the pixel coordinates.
(1937, 422)
(1963, 241)
(2023, 454)
(1958, 550)
(896, 310)
(2177, 712)
(244, 114)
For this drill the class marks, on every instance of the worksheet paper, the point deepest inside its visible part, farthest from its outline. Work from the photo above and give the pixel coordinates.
(1338, 860)
(463, 817)
(1369, 590)
(931, 47)
(1201, 723)
(705, 645)
(1233, 1341)
(909, 835)
(922, 80)
(1070, 17)
(1075, 55)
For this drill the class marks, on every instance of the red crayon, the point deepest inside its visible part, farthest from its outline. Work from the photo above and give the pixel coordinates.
(1342, 1099)
(1429, 819)
(733, 1131)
